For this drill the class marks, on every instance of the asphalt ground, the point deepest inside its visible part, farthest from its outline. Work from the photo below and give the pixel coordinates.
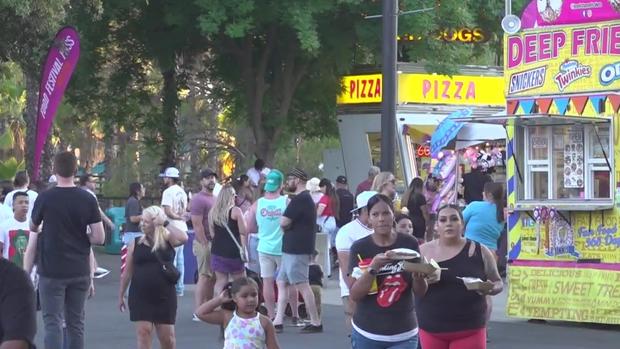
(107, 327)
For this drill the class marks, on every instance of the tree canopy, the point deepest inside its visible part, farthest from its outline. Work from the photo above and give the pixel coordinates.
(272, 66)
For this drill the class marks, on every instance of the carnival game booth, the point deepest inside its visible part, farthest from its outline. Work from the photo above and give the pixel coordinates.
(424, 101)
(457, 147)
(562, 85)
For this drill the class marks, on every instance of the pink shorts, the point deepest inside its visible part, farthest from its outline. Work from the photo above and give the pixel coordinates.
(470, 339)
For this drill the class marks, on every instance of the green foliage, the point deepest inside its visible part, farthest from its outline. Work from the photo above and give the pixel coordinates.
(12, 92)
(281, 62)
(9, 167)
(309, 153)
(6, 140)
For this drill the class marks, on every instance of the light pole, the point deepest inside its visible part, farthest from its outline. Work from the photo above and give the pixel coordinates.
(388, 99)
(389, 48)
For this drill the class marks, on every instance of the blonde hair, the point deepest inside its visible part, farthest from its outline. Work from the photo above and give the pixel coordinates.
(157, 237)
(380, 181)
(224, 202)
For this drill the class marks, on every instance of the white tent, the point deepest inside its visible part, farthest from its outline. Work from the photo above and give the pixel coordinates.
(476, 133)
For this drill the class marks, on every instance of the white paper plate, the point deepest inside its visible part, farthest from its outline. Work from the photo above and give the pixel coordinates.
(403, 253)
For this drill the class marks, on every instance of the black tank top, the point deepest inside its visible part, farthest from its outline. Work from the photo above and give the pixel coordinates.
(448, 306)
(223, 245)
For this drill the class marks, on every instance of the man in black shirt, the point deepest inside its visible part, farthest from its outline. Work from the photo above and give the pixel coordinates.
(18, 323)
(346, 202)
(473, 185)
(299, 226)
(63, 252)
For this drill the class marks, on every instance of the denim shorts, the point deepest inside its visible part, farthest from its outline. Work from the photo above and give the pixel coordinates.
(294, 268)
(360, 342)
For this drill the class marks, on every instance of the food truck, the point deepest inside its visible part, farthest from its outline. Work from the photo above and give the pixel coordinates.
(423, 102)
(562, 82)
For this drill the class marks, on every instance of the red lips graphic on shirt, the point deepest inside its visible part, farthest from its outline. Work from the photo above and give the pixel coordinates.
(390, 290)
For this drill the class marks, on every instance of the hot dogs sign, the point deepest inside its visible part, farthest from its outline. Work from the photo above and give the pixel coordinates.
(553, 60)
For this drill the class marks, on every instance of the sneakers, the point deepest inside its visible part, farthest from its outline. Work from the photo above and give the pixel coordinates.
(100, 273)
(195, 318)
(310, 328)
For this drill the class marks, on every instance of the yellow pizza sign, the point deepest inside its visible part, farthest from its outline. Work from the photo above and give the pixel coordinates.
(426, 89)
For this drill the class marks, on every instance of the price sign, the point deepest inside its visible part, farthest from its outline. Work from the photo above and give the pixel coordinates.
(424, 151)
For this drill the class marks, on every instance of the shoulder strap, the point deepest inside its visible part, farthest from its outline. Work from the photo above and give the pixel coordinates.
(232, 236)
(468, 248)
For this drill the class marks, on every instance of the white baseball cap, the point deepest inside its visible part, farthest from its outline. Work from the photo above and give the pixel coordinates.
(170, 172)
(362, 199)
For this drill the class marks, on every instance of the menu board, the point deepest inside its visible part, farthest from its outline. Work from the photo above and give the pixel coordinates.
(573, 160)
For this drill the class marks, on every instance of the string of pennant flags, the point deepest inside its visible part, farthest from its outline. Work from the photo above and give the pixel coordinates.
(575, 105)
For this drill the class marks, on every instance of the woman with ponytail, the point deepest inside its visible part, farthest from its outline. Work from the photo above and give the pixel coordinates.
(152, 297)
(245, 195)
(484, 220)
(327, 212)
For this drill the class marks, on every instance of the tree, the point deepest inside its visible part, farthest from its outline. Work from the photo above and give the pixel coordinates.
(28, 27)
(268, 51)
(282, 61)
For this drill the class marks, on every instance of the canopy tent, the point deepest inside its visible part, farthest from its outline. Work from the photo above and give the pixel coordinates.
(474, 133)
(453, 131)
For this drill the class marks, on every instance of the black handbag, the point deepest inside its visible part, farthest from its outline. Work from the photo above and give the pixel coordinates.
(171, 273)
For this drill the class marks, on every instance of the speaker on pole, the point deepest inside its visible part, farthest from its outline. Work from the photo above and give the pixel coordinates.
(511, 24)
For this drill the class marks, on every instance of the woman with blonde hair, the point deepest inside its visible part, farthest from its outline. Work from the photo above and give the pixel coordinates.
(152, 295)
(227, 227)
(385, 183)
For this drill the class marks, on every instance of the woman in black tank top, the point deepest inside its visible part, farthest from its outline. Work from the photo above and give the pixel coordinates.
(449, 314)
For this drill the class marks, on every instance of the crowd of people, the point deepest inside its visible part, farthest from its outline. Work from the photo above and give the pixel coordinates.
(255, 243)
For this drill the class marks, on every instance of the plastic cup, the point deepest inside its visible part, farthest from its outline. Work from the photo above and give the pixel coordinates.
(363, 265)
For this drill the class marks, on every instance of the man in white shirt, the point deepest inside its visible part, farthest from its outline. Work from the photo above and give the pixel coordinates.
(347, 235)
(15, 230)
(21, 183)
(87, 183)
(257, 172)
(174, 203)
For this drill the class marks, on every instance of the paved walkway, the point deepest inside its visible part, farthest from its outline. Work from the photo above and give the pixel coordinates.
(107, 328)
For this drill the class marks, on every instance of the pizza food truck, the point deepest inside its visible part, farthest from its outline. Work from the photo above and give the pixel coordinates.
(562, 82)
(423, 102)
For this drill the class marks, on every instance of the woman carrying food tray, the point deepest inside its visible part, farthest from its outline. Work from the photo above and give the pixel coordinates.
(381, 285)
(452, 313)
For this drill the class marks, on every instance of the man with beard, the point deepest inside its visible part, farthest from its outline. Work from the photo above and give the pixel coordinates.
(200, 207)
(174, 203)
(299, 226)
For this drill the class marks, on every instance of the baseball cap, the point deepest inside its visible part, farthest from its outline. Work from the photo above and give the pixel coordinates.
(298, 173)
(273, 180)
(341, 180)
(362, 199)
(312, 185)
(170, 172)
(207, 173)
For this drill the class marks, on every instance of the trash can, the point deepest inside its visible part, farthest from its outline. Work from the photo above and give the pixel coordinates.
(191, 268)
(113, 239)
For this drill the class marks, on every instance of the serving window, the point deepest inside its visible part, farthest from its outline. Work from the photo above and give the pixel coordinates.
(566, 163)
